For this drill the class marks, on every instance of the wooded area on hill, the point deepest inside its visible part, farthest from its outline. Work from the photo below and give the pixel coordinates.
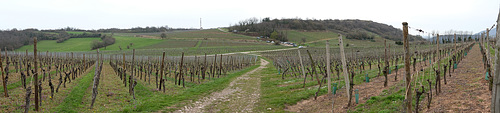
(351, 28)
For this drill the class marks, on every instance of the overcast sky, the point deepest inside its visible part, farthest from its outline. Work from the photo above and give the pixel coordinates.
(439, 15)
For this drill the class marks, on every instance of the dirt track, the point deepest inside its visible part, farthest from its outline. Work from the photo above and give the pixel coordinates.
(240, 96)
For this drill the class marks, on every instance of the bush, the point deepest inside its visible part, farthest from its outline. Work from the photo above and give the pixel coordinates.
(399, 43)
(359, 35)
(106, 41)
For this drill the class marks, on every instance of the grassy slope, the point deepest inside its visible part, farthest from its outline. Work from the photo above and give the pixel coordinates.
(123, 41)
(75, 32)
(316, 39)
(84, 44)
(209, 33)
(296, 36)
(74, 44)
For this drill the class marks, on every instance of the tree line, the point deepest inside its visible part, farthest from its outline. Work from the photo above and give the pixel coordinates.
(352, 28)
(13, 39)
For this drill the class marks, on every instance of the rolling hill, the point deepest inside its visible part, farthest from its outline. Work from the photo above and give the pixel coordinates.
(349, 28)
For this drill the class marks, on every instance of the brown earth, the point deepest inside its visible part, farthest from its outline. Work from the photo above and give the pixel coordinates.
(466, 91)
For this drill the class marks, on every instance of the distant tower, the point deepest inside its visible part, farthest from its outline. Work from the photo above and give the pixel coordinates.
(201, 28)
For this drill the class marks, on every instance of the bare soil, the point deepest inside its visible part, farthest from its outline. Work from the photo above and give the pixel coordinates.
(466, 91)
(240, 96)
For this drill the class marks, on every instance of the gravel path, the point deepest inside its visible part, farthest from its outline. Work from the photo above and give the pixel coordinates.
(240, 96)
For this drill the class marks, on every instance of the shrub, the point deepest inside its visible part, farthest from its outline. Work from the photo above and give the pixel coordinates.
(106, 41)
(399, 43)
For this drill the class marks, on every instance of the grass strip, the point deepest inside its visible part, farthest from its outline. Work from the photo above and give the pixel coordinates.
(74, 99)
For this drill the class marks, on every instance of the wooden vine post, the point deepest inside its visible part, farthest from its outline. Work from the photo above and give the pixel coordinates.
(438, 76)
(124, 71)
(455, 42)
(97, 72)
(495, 96)
(386, 67)
(131, 73)
(36, 75)
(161, 70)
(328, 67)
(180, 70)
(132, 80)
(344, 66)
(3, 76)
(408, 97)
(301, 64)
(303, 71)
(488, 58)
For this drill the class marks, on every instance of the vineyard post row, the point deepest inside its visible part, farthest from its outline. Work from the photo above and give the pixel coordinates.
(495, 96)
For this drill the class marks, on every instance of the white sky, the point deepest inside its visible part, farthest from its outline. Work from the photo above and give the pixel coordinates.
(439, 15)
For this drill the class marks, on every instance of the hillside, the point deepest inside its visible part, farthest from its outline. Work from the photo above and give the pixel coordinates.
(351, 28)
(493, 32)
(210, 39)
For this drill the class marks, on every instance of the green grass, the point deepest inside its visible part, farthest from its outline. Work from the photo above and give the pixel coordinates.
(392, 100)
(172, 44)
(198, 44)
(218, 43)
(74, 99)
(276, 97)
(138, 43)
(148, 101)
(75, 32)
(197, 51)
(84, 44)
(209, 34)
(296, 36)
(73, 44)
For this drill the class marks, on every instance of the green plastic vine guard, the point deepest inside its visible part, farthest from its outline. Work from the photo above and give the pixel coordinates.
(367, 79)
(486, 76)
(455, 65)
(357, 95)
(389, 71)
(334, 91)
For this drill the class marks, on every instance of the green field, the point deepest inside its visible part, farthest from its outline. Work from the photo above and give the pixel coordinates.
(185, 39)
(84, 44)
(172, 44)
(138, 43)
(74, 44)
(189, 40)
(75, 32)
(209, 34)
(296, 36)
(318, 39)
